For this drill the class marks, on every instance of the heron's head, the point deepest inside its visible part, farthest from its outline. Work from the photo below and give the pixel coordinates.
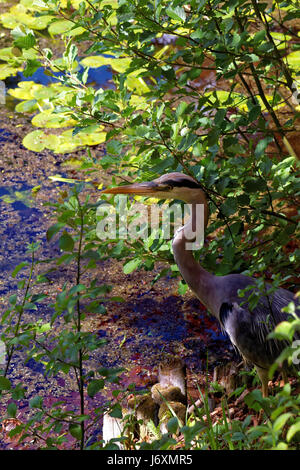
(168, 186)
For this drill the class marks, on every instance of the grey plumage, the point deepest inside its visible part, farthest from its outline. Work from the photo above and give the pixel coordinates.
(248, 330)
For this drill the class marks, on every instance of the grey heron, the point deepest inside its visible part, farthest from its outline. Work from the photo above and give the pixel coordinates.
(247, 330)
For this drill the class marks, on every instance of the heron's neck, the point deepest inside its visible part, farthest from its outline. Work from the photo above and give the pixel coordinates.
(198, 279)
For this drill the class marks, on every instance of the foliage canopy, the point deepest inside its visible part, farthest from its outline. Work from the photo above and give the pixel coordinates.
(217, 102)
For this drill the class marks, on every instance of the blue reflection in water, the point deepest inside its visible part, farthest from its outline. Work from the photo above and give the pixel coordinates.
(96, 76)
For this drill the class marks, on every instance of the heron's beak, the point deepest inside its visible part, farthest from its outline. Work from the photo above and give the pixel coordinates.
(140, 189)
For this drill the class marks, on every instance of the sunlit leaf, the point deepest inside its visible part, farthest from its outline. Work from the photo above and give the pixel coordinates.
(52, 120)
(34, 141)
(293, 60)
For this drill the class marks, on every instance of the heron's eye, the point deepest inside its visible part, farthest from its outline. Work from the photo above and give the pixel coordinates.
(165, 187)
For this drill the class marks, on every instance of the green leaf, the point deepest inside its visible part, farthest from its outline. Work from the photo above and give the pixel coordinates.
(35, 141)
(30, 306)
(75, 431)
(295, 428)
(254, 113)
(284, 330)
(259, 36)
(76, 289)
(180, 108)
(18, 268)
(25, 42)
(262, 145)
(131, 265)
(66, 242)
(177, 13)
(173, 425)
(182, 288)
(220, 116)
(12, 409)
(4, 383)
(13, 299)
(31, 67)
(116, 411)
(26, 106)
(36, 402)
(18, 392)
(253, 185)
(94, 387)
(293, 60)
(54, 229)
(281, 420)
(229, 207)
(281, 446)
(251, 58)
(61, 179)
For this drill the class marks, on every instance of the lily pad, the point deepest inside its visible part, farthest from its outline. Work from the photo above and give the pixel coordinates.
(52, 120)
(35, 141)
(293, 60)
(281, 39)
(25, 90)
(84, 137)
(7, 71)
(65, 27)
(65, 142)
(119, 65)
(133, 81)
(28, 106)
(18, 14)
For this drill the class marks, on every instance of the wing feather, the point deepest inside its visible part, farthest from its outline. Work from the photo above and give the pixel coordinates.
(248, 331)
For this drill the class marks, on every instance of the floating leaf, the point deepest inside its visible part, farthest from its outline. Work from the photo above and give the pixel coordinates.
(18, 14)
(281, 39)
(25, 90)
(26, 106)
(64, 27)
(8, 71)
(61, 179)
(6, 53)
(133, 81)
(293, 60)
(34, 141)
(52, 120)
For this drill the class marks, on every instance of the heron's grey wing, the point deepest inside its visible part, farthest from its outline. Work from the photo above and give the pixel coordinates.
(248, 331)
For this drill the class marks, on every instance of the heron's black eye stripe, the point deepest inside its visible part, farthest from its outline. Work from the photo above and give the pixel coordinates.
(182, 183)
